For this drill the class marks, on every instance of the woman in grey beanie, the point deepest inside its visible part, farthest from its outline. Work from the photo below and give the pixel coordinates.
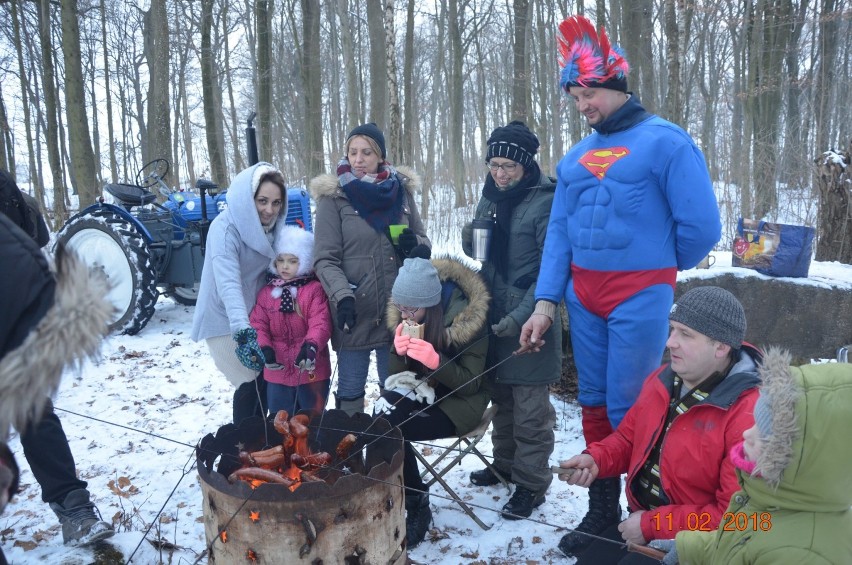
(437, 378)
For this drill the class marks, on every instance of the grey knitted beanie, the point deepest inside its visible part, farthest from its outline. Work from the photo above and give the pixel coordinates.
(417, 284)
(712, 311)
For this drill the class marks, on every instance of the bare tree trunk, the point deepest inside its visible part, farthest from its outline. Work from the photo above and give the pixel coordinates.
(79, 140)
(5, 156)
(113, 164)
(52, 136)
(410, 131)
(157, 54)
(215, 152)
(834, 177)
(336, 104)
(312, 84)
(674, 99)
(378, 64)
(825, 79)
(263, 9)
(521, 74)
(456, 91)
(25, 102)
(239, 163)
(394, 130)
(353, 104)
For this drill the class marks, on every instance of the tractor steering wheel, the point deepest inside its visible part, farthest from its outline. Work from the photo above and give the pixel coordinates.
(152, 173)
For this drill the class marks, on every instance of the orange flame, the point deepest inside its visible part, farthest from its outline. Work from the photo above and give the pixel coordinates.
(254, 515)
(251, 555)
(223, 535)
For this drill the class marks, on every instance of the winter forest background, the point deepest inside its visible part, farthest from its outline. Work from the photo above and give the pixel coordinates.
(93, 89)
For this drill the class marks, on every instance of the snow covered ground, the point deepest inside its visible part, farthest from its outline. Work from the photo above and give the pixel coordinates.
(134, 417)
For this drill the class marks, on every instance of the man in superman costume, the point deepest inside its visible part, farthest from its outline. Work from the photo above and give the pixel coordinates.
(633, 205)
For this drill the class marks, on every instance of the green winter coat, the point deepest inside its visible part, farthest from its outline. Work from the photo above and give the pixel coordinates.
(465, 322)
(526, 243)
(804, 483)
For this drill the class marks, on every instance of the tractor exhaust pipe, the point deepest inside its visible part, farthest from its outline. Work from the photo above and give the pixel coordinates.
(251, 141)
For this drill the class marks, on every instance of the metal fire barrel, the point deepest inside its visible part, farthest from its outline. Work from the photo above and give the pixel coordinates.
(357, 516)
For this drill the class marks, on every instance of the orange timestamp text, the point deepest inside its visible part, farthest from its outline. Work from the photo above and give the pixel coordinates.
(731, 521)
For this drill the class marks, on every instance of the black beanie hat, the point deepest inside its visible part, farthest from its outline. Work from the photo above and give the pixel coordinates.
(514, 141)
(372, 131)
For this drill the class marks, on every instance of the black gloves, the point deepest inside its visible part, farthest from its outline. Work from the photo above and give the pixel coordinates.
(346, 313)
(269, 358)
(407, 241)
(421, 251)
(306, 360)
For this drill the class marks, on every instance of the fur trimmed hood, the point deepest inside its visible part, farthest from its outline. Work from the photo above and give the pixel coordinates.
(70, 332)
(467, 324)
(328, 185)
(294, 241)
(804, 464)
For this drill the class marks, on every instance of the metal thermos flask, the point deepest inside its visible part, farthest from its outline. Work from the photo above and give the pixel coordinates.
(483, 229)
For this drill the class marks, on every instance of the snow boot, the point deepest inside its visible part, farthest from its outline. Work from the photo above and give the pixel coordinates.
(522, 503)
(418, 516)
(604, 511)
(349, 405)
(486, 477)
(81, 521)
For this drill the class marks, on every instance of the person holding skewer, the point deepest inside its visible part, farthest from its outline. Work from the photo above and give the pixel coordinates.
(437, 312)
(293, 326)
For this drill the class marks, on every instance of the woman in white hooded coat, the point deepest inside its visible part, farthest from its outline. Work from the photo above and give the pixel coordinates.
(239, 249)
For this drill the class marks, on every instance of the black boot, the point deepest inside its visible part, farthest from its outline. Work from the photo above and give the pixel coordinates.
(418, 516)
(486, 477)
(522, 503)
(604, 512)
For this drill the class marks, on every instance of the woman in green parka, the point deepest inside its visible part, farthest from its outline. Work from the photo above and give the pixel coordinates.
(794, 469)
(435, 389)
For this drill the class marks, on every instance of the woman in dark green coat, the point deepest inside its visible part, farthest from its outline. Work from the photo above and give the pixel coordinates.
(435, 389)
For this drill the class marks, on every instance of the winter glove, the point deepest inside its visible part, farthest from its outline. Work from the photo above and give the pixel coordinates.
(400, 341)
(467, 239)
(422, 251)
(407, 241)
(307, 359)
(507, 327)
(669, 546)
(382, 406)
(407, 384)
(346, 314)
(248, 350)
(423, 351)
(269, 359)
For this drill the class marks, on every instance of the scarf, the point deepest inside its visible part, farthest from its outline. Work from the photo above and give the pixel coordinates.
(506, 200)
(279, 285)
(377, 198)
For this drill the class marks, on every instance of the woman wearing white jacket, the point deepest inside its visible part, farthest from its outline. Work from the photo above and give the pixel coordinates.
(239, 249)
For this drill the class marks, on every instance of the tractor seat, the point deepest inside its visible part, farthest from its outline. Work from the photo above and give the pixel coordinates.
(208, 186)
(130, 195)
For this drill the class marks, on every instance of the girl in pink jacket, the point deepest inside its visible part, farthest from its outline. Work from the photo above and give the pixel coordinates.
(293, 326)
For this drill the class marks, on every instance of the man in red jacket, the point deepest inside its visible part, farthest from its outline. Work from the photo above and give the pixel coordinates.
(674, 443)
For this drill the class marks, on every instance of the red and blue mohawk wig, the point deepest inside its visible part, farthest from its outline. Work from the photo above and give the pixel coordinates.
(588, 59)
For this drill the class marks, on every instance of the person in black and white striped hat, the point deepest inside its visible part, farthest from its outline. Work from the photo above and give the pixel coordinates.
(516, 197)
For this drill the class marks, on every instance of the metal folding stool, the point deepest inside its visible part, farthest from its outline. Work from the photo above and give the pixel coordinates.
(462, 446)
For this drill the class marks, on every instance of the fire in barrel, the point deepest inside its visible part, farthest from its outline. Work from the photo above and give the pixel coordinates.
(292, 490)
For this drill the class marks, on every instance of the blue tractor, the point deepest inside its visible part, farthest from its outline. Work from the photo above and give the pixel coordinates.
(146, 247)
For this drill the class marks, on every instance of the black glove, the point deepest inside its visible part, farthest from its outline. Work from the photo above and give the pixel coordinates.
(306, 361)
(269, 359)
(407, 241)
(346, 314)
(421, 251)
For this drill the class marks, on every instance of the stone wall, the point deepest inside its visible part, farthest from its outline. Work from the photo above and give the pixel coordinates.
(810, 320)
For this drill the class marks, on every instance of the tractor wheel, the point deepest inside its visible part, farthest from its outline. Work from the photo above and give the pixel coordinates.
(184, 295)
(105, 240)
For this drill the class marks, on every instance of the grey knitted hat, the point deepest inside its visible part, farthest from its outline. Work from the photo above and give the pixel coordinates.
(417, 284)
(712, 311)
(763, 416)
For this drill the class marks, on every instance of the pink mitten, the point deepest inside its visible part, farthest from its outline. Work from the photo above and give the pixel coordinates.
(400, 341)
(424, 352)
